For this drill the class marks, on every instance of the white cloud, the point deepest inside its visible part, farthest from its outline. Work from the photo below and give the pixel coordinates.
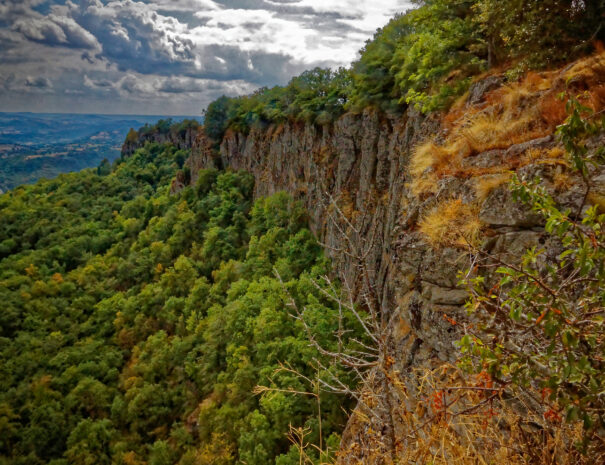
(184, 5)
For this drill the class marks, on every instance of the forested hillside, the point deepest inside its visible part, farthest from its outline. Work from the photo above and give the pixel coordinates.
(165, 309)
(40, 145)
(135, 324)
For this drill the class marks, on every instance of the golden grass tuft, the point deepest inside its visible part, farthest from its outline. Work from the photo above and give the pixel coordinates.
(425, 157)
(452, 223)
(424, 185)
(486, 184)
(589, 71)
(515, 95)
(598, 200)
(430, 162)
(562, 180)
(533, 154)
(500, 131)
(537, 81)
(555, 156)
(556, 152)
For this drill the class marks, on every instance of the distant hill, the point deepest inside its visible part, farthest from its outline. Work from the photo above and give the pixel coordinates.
(43, 145)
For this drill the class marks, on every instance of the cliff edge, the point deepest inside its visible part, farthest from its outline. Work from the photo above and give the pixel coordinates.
(396, 202)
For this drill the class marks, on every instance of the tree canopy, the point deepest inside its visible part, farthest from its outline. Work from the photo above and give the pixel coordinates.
(136, 324)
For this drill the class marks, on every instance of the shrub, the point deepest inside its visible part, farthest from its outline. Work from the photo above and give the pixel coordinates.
(542, 322)
(540, 33)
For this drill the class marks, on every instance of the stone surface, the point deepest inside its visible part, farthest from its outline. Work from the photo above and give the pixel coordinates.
(480, 89)
(500, 209)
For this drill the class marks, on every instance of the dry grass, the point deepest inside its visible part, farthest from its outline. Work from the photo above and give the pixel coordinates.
(562, 180)
(552, 110)
(513, 114)
(513, 118)
(443, 416)
(458, 423)
(500, 131)
(555, 156)
(430, 162)
(424, 185)
(598, 200)
(425, 157)
(556, 153)
(484, 185)
(451, 223)
(588, 72)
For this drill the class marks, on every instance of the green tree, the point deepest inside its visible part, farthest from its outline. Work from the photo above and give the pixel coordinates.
(539, 32)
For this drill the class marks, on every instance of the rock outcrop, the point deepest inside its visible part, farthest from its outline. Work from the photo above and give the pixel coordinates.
(181, 139)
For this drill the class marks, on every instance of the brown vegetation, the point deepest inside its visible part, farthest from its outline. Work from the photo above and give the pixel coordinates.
(452, 223)
(515, 113)
(449, 418)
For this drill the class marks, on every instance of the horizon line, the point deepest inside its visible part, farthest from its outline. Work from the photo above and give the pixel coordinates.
(98, 114)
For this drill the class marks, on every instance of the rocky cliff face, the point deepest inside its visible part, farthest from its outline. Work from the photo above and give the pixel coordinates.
(355, 179)
(357, 164)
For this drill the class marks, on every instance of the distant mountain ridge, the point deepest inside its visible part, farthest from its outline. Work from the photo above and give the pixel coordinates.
(38, 128)
(37, 145)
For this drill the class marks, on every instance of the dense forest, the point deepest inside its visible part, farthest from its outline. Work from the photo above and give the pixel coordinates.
(136, 324)
(140, 326)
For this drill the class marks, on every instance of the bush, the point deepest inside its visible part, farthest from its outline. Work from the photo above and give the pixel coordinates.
(539, 32)
(546, 316)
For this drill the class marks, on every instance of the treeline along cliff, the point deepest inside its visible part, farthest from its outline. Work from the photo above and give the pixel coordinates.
(401, 262)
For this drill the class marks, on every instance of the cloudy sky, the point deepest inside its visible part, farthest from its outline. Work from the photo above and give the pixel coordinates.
(170, 57)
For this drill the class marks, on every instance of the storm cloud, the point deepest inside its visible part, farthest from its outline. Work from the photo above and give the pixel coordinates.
(170, 55)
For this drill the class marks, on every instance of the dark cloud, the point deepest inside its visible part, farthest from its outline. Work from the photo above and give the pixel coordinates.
(135, 37)
(86, 56)
(38, 82)
(56, 31)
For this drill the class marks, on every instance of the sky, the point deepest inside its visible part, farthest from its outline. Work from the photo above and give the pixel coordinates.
(170, 57)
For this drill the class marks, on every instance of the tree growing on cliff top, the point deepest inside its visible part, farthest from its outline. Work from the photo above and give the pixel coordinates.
(540, 33)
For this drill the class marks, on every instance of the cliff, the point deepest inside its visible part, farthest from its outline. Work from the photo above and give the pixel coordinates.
(182, 136)
(373, 184)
